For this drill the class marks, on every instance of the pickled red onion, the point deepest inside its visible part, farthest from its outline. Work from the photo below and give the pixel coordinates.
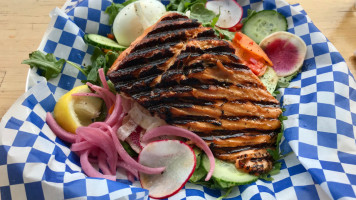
(80, 146)
(127, 168)
(103, 164)
(103, 79)
(58, 130)
(90, 170)
(100, 139)
(116, 112)
(130, 161)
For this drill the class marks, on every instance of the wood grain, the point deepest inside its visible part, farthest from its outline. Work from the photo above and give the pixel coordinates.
(24, 22)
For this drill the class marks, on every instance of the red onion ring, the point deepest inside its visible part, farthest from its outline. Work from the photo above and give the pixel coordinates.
(130, 161)
(103, 79)
(90, 170)
(58, 130)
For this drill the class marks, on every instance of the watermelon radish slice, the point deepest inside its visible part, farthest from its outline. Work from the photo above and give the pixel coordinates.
(230, 12)
(179, 160)
(134, 140)
(286, 51)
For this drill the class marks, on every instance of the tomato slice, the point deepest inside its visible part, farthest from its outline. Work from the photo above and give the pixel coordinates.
(235, 28)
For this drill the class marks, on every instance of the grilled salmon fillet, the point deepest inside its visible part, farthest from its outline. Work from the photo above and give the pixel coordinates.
(181, 72)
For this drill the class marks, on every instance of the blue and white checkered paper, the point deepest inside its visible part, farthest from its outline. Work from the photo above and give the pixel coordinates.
(320, 129)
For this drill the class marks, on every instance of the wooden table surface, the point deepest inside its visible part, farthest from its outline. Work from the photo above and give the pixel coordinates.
(23, 23)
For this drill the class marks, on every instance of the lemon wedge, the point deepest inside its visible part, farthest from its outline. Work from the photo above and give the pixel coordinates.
(71, 112)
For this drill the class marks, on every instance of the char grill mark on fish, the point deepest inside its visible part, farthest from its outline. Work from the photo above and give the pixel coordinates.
(181, 72)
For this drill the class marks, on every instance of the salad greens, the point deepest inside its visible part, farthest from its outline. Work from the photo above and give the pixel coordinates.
(250, 13)
(128, 149)
(115, 8)
(49, 66)
(283, 82)
(99, 60)
(183, 5)
(203, 15)
(198, 11)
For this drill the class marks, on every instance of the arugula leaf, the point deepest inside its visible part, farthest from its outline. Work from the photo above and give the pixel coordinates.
(99, 60)
(182, 5)
(203, 15)
(225, 195)
(250, 13)
(283, 82)
(198, 11)
(199, 171)
(110, 58)
(224, 34)
(77, 66)
(198, 175)
(49, 66)
(128, 149)
(115, 8)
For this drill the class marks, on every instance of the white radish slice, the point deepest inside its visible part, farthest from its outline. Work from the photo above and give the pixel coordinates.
(286, 51)
(230, 12)
(178, 159)
(128, 126)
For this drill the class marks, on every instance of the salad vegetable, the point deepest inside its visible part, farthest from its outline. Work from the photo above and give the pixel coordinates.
(99, 60)
(251, 54)
(72, 111)
(183, 5)
(133, 19)
(115, 8)
(230, 12)
(176, 174)
(286, 50)
(259, 25)
(103, 42)
(48, 64)
(270, 79)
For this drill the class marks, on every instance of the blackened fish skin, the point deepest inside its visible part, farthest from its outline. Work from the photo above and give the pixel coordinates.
(181, 72)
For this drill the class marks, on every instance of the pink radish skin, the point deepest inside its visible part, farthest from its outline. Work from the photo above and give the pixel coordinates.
(179, 160)
(230, 12)
(134, 140)
(286, 51)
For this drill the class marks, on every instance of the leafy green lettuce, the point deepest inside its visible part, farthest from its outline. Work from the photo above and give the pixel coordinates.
(99, 60)
(115, 8)
(283, 82)
(183, 5)
(208, 18)
(49, 66)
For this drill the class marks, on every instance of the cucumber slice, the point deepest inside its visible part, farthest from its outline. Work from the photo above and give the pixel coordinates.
(198, 153)
(227, 173)
(198, 174)
(270, 79)
(263, 23)
(103, 42)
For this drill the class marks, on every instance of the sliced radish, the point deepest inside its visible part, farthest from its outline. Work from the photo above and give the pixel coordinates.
(179, 160)
(286, 50)
(134, 140)
(230, 12)
(176, 131)
(128, 126)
